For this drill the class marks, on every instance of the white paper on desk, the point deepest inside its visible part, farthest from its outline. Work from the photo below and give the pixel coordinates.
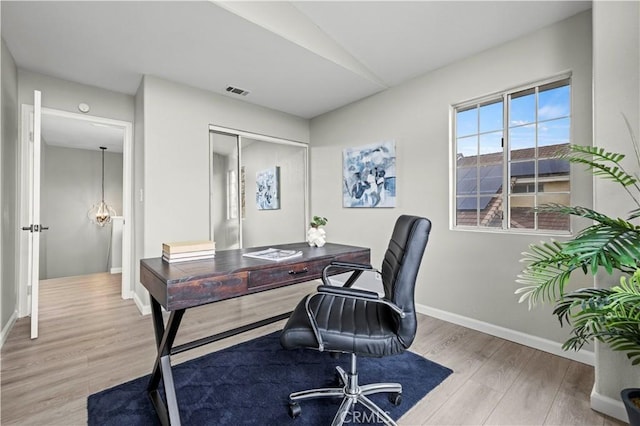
(274, 254)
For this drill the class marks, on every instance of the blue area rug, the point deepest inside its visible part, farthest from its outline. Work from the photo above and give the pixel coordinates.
(250, 383)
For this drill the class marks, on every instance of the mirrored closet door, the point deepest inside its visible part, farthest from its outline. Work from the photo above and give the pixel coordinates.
(258, 189)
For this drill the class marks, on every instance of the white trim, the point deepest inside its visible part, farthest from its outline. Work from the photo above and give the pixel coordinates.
(143, 308)
(244, 134)
(609, 406)
(555, 348)
(7, 328)
(127, 288)
(116, 271)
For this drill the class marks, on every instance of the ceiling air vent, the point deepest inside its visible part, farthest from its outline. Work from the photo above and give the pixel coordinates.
(237, 91)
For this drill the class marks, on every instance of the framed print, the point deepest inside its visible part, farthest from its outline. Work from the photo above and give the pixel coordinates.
(268, 189)
(369, 175)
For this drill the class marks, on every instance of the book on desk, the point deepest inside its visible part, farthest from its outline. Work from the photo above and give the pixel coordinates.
(186, 251)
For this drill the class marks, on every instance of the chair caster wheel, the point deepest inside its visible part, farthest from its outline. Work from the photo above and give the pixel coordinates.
(395, 398)
(294, 410)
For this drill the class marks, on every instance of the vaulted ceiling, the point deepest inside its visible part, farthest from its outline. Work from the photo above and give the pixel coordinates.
(304, 58)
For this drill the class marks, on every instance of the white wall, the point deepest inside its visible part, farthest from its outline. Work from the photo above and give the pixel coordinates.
(174, 159)
(616, 75)
(8, 191)
(71, 184)
(140, 296)
(468, 275)
(66, 95)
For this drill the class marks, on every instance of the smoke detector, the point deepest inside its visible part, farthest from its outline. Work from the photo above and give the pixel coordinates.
(237, 91)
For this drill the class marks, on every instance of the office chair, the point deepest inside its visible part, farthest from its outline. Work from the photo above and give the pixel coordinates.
(360, 322)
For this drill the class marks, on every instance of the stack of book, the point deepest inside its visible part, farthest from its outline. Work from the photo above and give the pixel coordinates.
(186, 251)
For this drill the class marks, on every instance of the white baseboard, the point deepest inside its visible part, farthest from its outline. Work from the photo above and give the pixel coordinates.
(115, 270)
(609, 406)
(143, 308)
(555, 348)
(7, 328)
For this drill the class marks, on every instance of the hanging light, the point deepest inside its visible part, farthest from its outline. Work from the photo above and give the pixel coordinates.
(100, 213)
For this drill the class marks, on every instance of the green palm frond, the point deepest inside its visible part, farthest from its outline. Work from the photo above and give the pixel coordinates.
(634, 214)
(546, 274)
(605, 164)
(600, 162)
(611, 245)
(610, 315)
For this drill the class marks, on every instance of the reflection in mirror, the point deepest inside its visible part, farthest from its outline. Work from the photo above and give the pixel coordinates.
(258, 191)
(225, 220)
(285, 223)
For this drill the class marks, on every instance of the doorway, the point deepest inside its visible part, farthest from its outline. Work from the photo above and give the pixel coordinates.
(68, 141)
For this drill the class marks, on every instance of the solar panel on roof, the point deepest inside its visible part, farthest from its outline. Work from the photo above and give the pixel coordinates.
(490, 185)
(467, 204)
(467, 184)
(525, 168)
(552, 166)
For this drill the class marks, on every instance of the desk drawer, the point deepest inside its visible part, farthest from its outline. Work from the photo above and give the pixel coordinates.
(282, 275)
(199, 292)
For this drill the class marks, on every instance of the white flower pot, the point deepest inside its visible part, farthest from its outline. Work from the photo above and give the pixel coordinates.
(316, 237)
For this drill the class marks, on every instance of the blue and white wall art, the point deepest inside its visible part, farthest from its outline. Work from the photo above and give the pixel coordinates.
(369, 175)
(268, 189)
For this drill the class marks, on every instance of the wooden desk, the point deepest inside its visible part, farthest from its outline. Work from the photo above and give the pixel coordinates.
(180, 286)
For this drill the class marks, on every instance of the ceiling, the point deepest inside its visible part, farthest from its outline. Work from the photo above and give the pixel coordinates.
(69, 132)
(304, 57)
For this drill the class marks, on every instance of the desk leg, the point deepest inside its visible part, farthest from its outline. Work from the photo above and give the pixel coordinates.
(352, 278)
(168, 414)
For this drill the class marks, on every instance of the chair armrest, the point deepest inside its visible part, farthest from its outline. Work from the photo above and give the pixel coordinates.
(348, 292)
(350, 265)
(356, 268)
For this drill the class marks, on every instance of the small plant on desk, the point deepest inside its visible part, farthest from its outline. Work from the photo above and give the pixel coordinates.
(316, 236)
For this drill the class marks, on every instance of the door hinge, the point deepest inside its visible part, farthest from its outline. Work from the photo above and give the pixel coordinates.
(29, 290)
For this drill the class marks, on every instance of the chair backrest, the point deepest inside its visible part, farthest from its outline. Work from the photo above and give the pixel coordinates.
(400, 269)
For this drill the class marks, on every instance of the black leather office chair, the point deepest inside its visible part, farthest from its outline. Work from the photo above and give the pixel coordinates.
(359, 322)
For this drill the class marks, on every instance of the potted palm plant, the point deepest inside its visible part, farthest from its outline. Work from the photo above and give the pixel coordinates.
(609, 315)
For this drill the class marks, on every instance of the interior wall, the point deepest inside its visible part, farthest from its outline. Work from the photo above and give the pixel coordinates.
(8, 190)
(467, 275)
(71, 184)
(175, 158)
(139, 296)
(616, 81)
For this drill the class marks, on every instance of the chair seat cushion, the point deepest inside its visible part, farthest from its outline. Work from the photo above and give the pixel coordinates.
(346, 325)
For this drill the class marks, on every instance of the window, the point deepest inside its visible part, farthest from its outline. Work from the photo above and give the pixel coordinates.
(506, 165)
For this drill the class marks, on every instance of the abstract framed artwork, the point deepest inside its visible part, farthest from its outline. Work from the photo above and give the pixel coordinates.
(369, 175)
(268, 189)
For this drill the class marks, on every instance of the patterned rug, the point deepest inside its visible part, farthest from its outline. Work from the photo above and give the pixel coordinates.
(249, 384)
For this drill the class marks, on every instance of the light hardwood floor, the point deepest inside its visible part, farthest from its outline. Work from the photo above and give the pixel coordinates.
(91, 339)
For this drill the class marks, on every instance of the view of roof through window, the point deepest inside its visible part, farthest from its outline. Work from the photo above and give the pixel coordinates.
(521, 157)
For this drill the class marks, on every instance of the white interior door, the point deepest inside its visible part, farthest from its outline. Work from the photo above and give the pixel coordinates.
(34, 213)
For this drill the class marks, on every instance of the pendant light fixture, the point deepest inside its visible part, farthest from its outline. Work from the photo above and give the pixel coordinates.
(100, 213)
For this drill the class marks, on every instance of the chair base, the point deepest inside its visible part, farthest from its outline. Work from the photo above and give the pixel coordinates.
(351, 393)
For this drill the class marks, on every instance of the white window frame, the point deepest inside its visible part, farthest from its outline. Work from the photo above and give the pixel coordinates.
(504, 97)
